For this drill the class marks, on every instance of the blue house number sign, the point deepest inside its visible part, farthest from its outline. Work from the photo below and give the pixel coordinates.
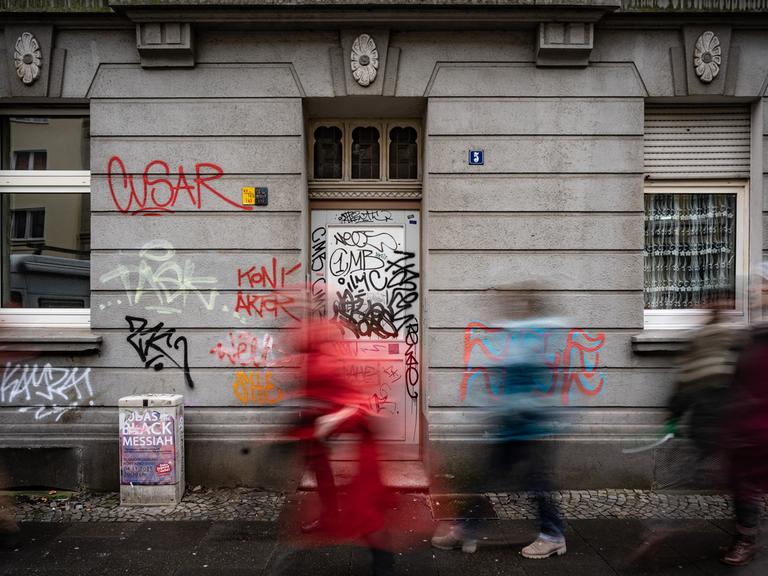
(476, 158)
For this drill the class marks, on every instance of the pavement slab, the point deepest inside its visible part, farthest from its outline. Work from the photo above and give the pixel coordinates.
(596, 546)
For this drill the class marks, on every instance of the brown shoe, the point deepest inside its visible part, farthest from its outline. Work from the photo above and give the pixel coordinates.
(741, 551)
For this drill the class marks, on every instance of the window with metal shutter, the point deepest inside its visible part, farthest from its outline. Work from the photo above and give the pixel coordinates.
(696, 141)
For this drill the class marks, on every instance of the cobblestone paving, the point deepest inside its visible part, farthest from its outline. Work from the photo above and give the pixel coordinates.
(591, 504)
(217, 505)
(255, 505)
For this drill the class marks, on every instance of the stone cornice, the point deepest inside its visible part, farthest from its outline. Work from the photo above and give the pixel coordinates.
(360, 3)
(422, 14)
(52, 6)
(694, 6)
(85, 7)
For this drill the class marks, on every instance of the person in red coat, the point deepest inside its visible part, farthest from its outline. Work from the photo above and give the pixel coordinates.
(335, 406)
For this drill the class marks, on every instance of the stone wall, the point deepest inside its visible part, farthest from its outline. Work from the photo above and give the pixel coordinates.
(558, 201)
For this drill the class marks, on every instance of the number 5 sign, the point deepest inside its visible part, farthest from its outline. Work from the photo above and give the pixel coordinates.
(476, 158)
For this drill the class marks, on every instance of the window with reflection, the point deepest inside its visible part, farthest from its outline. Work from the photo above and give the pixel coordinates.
(39, 143)
(403, 154)
(328, 152)
(690, 251)
(46, 239)
(365, 153)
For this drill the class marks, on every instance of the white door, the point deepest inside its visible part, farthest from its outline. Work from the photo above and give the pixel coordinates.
(365, 275)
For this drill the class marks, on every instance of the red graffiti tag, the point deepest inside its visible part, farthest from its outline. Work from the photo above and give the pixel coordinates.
(263, 277)
(470, 341)
(158, 193)
(244, 349)
(576, 365)
(260, 304)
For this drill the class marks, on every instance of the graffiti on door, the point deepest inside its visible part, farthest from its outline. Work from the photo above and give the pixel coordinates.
(373, 282)
(365, 277)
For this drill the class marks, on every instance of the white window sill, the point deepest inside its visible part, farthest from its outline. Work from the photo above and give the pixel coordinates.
(50, 340)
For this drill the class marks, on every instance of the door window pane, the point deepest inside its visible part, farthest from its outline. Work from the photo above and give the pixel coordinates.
(365, 153)
(328, 152)
(48, 261)
(690, 251)
(403, 154)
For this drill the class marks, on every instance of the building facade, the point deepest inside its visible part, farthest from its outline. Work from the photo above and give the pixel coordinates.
(173, 172)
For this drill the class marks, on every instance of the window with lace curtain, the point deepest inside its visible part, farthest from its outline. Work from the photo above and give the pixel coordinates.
(694, 251)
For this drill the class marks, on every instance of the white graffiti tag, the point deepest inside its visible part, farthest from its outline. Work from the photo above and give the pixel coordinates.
(159, 274)
(53, 391)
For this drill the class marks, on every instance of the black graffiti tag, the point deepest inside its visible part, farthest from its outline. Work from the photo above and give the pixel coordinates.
(358, 216)
(318, 267)
(364, 317)
(365, 281)
(380, 402)
(366, 238)
(403, 286)
(318, 249)
(345, 261)
(411, 364)
(157, 344)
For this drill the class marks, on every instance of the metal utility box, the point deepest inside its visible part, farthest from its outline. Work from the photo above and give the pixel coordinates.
(151, 449)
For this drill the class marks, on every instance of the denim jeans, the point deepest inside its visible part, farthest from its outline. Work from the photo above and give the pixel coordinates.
(530, 462)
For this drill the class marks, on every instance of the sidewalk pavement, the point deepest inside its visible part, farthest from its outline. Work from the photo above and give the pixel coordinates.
(603, 545)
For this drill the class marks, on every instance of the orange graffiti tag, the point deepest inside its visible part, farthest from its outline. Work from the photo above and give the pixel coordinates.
(256, 388)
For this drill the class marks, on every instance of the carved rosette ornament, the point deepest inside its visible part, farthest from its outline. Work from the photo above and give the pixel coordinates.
(27, 58)
(365, 60)
(707, 57)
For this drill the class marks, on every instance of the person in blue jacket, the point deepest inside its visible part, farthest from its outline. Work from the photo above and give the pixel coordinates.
(522, 418)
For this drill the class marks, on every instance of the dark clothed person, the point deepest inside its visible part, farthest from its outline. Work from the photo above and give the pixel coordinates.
(748, 439)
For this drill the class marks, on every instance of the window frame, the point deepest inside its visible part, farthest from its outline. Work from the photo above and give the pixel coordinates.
(311, 153)
(682, 319)
(33, 156)
(347, 126)
(28, 220)
(42, 182)
(388, 144)
(346, 166)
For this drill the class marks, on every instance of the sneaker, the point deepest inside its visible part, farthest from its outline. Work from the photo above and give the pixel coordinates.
(544, 548)
(452, 541)
(740, 552)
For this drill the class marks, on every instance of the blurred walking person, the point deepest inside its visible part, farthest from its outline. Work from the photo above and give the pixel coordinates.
(704, 384)
(523, 419)
(748, 438)
(335, 407)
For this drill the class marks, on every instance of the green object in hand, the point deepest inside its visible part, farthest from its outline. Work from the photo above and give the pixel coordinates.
(670, 426)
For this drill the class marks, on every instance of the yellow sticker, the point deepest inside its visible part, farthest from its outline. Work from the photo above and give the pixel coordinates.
(249, 196)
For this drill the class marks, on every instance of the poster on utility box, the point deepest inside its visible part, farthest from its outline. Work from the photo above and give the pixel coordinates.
(147, 447)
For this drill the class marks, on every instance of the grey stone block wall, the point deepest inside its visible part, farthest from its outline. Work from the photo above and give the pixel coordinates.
(247, 120)
(559, 201)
